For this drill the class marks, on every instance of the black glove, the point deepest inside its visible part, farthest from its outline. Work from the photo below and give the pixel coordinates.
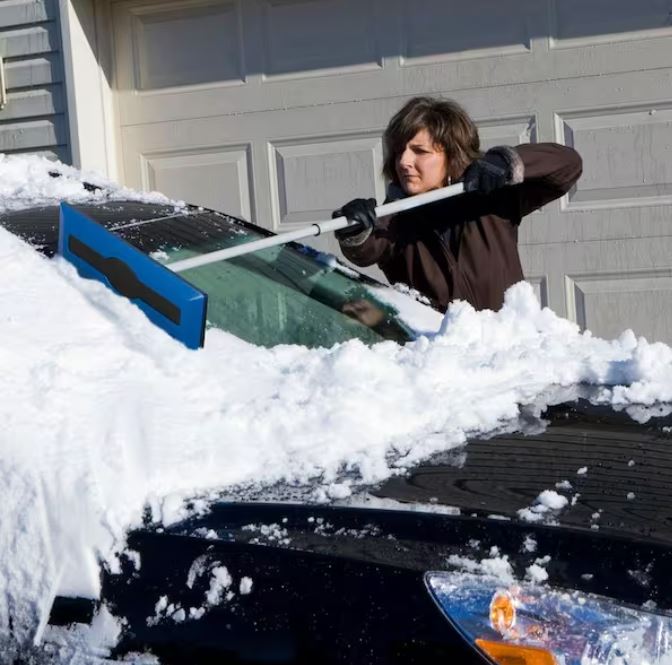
(488, 173)
(362, 211)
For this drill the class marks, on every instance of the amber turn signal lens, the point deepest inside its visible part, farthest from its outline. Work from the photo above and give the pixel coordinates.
(514, 654)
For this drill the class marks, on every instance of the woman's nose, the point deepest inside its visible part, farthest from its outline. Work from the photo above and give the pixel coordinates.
(405, 158)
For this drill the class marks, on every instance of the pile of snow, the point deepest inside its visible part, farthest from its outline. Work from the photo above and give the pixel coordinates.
(28, 181)
(496, 565)
(537, 571)
(104, 414)
(549, 502)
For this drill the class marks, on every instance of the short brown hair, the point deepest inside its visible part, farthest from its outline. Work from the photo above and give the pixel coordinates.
(448, 124)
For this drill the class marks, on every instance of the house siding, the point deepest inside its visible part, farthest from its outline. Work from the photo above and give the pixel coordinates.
(35, 117)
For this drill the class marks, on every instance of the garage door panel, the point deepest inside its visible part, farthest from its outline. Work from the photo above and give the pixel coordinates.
(539, 284)
(603, 303)
(550, 225)
(508, 131)
(581, 23)
(447, 30)
(627, 156)
(217, 178)
(341, 38)
(178, 44)
(609, 286)
(313, 177)
(607, 256)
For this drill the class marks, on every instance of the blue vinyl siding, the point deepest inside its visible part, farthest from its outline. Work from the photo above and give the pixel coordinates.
(35, 118)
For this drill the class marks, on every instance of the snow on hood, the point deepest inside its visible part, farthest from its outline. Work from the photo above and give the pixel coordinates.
(103, 413)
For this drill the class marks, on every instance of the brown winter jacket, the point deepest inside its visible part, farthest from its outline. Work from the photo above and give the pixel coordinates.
(466, 247)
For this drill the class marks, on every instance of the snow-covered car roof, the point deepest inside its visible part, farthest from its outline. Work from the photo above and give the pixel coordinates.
(28, 181)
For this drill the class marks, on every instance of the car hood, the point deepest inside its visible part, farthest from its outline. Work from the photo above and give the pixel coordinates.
(613, 472)
(309, 563)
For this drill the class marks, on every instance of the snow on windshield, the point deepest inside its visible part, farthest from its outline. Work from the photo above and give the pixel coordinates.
(104, 414)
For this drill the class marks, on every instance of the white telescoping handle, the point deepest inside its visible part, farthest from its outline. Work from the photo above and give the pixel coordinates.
(315, 229)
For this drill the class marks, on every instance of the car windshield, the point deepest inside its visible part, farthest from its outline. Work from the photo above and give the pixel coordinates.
(281, 295)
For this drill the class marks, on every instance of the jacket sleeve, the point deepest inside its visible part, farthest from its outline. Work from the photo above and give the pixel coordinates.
(374, 247)
(549, 171)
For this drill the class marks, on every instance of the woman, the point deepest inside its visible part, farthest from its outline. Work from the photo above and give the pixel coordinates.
(465, 247)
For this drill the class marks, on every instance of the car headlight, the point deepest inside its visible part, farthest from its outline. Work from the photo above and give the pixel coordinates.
(526, 624)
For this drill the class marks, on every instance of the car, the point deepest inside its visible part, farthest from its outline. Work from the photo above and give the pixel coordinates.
(548, 543)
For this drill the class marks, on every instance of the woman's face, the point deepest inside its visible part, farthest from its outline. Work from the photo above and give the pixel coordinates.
(422, 165)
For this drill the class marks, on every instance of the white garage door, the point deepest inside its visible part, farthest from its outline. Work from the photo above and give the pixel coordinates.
(274, 109)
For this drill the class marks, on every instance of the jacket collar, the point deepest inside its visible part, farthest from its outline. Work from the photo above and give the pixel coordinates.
(394, 193)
